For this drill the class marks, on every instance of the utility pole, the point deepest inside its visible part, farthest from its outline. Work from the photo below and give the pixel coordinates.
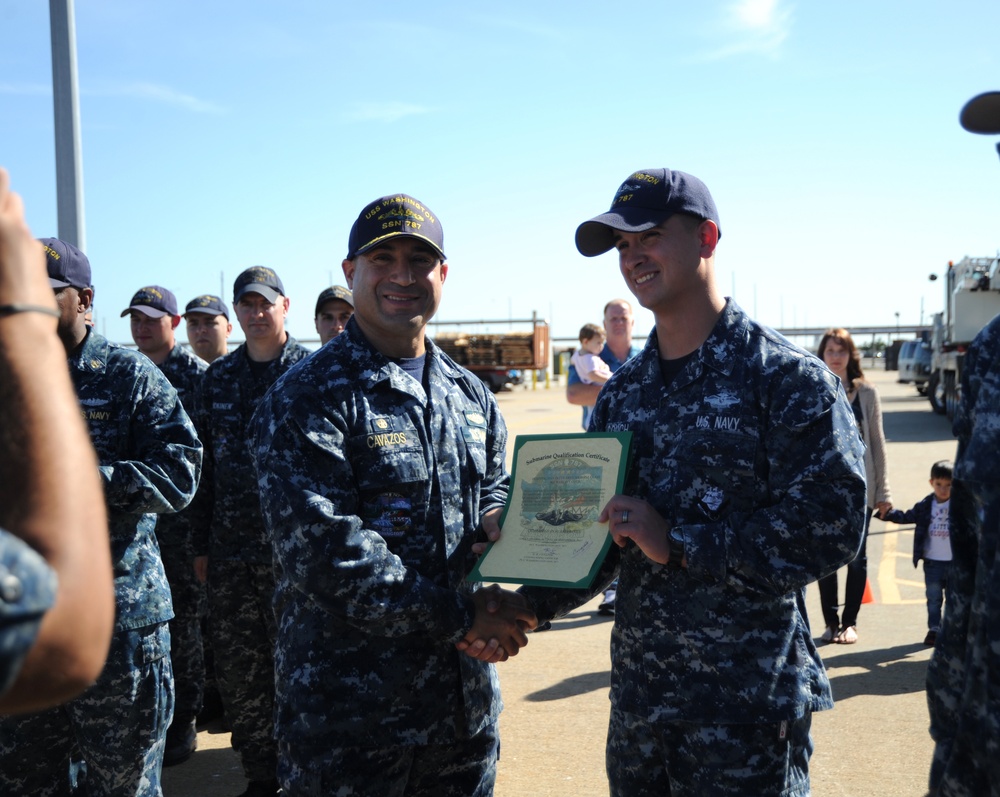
(69, 163)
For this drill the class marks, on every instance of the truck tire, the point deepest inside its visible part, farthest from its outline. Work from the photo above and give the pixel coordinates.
(935, 393)
(950, 394)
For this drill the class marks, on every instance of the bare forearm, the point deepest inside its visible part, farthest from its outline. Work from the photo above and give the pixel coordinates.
(581, 394)
(49, 469)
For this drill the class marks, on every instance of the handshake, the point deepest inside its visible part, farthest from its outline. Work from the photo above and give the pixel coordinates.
(498, 631)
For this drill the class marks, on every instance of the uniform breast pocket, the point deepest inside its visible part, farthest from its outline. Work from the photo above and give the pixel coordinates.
(715, 473)
(476, 457)
(392, 486)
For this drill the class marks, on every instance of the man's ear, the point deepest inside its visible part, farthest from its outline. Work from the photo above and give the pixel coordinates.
(708, 231)
(348, 267)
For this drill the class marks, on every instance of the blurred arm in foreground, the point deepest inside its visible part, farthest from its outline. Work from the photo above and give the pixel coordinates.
(56, 599)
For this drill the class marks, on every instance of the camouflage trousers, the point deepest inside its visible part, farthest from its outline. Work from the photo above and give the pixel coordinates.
(243, 631)
(116, 728)
(682, 759)
(464, 768)
(186, 651)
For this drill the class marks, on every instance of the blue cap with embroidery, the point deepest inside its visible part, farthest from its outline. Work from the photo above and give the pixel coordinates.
(207, 304)
(153, 301)
(258, 279)
(67, 265)
(646, 200)
(392, 216)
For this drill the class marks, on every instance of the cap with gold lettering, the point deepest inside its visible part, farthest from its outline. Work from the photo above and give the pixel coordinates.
(258, 279)
(392, 216)
(646, 200)
(153, 301)
(338, 292)
(67, 265)
(207, 304)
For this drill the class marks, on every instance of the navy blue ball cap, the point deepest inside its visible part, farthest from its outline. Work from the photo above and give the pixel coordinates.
(258, 279)
(981, 114)
(153, 301)
(645, 200)
(67, 265)
(207, 304)
(338, 292)
(392, 216)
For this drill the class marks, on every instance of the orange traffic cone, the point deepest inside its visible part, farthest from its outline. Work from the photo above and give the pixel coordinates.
(868, 597)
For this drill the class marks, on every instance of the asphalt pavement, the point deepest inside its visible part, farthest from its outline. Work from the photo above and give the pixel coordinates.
(553, 728)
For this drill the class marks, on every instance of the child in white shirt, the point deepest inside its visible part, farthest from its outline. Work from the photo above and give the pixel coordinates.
(591, 369)
(931, 542)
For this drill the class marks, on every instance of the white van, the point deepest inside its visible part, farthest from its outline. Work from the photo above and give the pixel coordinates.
(915, 364)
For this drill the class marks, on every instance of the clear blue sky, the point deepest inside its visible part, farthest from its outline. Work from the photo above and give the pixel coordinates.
(220, 135)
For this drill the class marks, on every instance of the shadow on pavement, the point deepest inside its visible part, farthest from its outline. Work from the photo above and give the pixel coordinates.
(215, 771)
(911, 420)
(888, 671)
(580, 620)
(571, 687)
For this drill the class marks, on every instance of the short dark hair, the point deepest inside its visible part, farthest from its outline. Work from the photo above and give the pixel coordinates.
(942, 469)
(589, 331)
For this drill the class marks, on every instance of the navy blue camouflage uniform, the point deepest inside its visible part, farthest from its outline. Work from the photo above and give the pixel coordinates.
(240, 575)
(963, 676)
(752, 455)
(149, 459)
(175, 534)
(373, 488)
(27, 591)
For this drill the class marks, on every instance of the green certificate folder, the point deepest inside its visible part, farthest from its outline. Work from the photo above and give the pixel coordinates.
(559, 485)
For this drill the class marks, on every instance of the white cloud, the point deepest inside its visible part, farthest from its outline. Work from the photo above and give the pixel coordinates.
(383, 111)
(26, 89)
(141, 91)
(157, 93)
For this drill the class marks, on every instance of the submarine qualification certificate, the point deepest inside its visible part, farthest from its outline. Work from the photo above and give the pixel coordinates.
(559, 485)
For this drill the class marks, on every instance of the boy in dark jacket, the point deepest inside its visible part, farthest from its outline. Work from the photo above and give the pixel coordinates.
(931, 542)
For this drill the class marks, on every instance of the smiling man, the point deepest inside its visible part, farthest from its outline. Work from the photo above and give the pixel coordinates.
(380, 461)
(746, 484)
(238, 564)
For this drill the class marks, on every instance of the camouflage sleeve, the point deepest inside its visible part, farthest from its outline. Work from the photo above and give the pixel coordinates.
(27, 591)
(960, 665)
(166, 454)
(203, 504)
(496, 483)
(812, 519)
(549, 603)
(321, 548)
